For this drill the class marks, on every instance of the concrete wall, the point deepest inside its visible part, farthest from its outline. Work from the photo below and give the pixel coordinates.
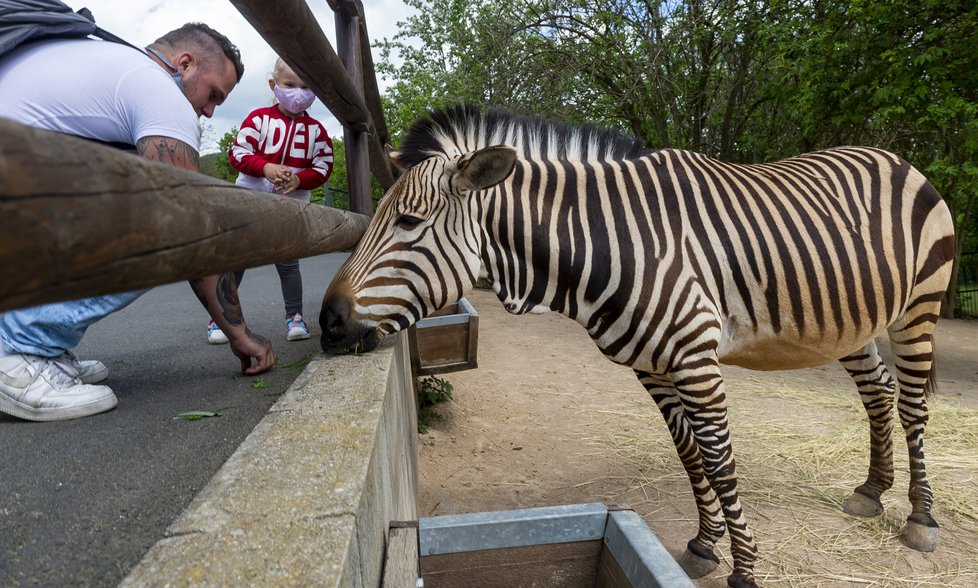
(307, 498)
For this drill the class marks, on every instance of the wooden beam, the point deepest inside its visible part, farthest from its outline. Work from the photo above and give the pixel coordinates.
(78, 219)
(291, 29)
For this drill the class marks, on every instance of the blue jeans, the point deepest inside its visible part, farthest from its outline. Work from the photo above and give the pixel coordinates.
(51, 329)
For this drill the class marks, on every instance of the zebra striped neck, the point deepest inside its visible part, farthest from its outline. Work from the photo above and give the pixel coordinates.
(459, 129)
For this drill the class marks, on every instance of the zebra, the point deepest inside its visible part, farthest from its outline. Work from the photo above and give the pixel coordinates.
(674, 263)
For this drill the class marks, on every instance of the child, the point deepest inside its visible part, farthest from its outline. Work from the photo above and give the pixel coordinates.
(282, 150)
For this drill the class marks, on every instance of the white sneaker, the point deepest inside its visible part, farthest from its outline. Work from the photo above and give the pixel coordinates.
(215, 336)
(42, 389)
(89, 371)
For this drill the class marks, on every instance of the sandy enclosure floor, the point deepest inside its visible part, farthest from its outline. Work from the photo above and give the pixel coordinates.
(546, 420)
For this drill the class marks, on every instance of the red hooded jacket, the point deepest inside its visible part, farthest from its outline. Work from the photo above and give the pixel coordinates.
(269, 136)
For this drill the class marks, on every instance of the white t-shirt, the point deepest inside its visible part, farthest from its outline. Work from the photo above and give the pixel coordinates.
(96, 89)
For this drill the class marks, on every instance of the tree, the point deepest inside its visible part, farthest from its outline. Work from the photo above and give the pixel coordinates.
(743, 81)
(337, 185)
(222, 166)
(900, 76)
(689, 74)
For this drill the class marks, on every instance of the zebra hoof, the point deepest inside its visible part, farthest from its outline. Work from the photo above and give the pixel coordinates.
(922, 532)
(697, 561)
(741, 580)
(860, 505)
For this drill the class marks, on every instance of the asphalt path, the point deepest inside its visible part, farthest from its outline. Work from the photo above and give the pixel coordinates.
(82, 501)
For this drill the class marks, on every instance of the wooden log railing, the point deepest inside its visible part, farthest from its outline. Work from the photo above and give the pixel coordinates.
(79, 219)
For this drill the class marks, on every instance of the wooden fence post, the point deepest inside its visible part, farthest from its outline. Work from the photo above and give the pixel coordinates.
(357, 157)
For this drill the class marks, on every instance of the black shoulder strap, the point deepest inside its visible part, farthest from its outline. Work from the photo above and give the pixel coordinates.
(120, 145)
(22, 21)
(107, 36)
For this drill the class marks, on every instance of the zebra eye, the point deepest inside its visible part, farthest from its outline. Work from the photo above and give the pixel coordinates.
(406, 221)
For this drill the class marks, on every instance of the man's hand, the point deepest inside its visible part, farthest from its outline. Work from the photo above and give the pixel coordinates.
(253, 346)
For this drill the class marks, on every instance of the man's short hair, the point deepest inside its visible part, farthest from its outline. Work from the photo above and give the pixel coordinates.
(204, 41)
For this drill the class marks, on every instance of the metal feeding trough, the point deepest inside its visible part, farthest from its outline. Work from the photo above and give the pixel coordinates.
(579, 545)
(447, 341)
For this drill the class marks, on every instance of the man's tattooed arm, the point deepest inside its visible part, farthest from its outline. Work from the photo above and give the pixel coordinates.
(169, 151)
(226, 297)
(218, 294)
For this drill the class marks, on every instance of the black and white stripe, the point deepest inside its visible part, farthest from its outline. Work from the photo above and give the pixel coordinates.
(674, 263)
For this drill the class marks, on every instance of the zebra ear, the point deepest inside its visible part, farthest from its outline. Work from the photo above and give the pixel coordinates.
(485, 168)
(394, 157)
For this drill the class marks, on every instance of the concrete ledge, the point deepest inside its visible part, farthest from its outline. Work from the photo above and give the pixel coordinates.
(306, 500)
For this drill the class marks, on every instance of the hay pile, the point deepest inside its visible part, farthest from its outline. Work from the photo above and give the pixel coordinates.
(800, 452)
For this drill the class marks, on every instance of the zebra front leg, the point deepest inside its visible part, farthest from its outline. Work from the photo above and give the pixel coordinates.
(700, 389)
(876, 391)
(913, 352)
(699, 558)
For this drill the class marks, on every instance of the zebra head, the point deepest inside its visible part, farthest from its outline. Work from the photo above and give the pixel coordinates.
(421, 251)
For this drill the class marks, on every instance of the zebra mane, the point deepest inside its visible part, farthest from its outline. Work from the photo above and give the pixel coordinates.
(461, 128)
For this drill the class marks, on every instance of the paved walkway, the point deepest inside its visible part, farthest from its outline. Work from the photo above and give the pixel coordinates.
(82, 501)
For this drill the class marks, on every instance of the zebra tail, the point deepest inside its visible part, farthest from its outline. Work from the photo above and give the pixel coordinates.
(930, 386)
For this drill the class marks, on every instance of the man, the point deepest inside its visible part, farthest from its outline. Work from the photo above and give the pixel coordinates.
(116, 94)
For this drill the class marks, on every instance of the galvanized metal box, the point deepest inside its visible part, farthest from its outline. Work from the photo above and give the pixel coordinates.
(572, 546)
(447, 341)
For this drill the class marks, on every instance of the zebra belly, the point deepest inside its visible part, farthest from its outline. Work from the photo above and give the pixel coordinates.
(785, 353)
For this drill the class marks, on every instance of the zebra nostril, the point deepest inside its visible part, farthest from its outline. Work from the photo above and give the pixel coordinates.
(337, 311)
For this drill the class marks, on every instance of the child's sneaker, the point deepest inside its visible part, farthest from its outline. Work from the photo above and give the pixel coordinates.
(296, 328)
(215, 336)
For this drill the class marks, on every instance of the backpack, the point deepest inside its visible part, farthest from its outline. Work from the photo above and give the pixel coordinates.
(30, 20)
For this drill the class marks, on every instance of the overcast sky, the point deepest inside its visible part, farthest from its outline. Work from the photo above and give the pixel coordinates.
(143, 21)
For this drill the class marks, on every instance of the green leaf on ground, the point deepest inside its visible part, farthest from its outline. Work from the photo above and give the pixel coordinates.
(196, 415)
(301, 364)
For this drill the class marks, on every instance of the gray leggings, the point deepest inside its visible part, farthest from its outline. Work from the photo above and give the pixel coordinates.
(288, 273)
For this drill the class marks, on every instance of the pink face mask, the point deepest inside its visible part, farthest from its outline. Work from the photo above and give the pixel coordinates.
(294, 100)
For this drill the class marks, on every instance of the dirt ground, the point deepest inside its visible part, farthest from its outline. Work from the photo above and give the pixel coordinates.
(546, 420)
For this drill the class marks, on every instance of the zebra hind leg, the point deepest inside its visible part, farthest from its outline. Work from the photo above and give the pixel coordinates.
(911, 339)
(699, 558)
(876, 391)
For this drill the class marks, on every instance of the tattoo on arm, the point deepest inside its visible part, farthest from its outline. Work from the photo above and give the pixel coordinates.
(227, 297)
(169, 151)
(256, 338)
(226, 294)
(196, 285)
